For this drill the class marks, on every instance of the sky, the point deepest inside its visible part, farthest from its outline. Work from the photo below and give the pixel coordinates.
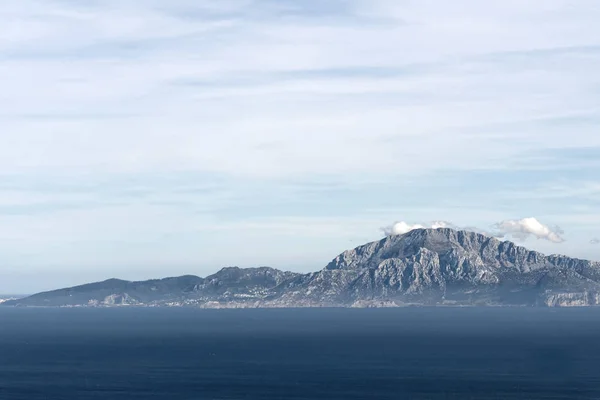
(143, 139)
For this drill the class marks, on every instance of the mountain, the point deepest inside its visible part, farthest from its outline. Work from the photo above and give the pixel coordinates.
(444, 266)
(422, 267)
(228, 286)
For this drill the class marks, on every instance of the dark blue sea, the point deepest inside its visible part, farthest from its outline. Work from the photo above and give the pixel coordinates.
(409, 353)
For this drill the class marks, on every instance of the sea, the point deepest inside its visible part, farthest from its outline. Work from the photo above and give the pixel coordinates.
(401, 353)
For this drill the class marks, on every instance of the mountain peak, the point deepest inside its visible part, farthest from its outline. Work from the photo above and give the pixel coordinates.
(421, 267)
(434, 238)
(445, 234)
(440, 241)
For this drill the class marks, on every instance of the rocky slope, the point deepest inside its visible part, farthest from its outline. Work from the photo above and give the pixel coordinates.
(422, 267)
(444, 266)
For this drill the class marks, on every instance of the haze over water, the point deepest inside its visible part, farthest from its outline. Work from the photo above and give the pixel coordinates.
(416, 353)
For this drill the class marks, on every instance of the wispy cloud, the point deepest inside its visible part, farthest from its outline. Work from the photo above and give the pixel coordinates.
(402, 105)
(595, 241)
(302, 91)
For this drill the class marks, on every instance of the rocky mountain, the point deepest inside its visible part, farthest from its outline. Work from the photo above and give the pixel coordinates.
(421, 267)
(448, 267)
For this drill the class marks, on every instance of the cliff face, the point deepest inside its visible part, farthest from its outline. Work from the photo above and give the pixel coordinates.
(444, 266)
(421, 267)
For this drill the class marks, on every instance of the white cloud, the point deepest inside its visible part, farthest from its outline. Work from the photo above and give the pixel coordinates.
(442, 224)
(526, 227)
(595, 241)
(400, 228)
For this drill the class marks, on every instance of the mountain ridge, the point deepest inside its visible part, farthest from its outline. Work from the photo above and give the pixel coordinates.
(422, 267)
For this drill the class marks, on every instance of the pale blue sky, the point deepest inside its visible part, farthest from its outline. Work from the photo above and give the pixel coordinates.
(153, 138)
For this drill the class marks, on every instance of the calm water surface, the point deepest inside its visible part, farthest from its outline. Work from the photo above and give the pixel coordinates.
(411, 353)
